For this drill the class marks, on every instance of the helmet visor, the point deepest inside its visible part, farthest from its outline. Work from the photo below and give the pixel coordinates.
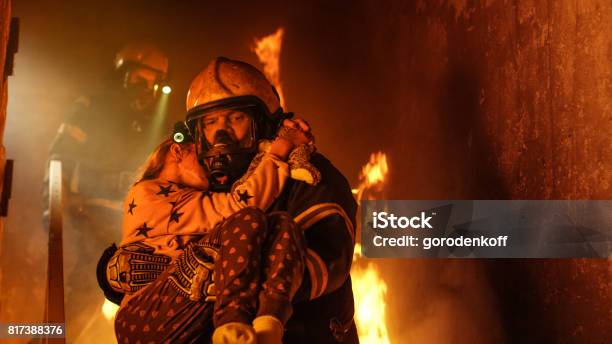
(226, 128)
(240, 116)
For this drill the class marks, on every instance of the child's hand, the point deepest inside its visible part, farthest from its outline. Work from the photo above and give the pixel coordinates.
(293, 133)
(281, 147)
(297, 131)
(297, 123)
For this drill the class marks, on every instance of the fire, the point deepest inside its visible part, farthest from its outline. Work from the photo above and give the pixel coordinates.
(373, 174)
(370, 291)
(369, 288)
(268, 51)
(109, 309)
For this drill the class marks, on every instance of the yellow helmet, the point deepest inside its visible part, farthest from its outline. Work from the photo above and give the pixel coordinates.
(142, 55)
(142, 64)
(231, 85)
(224, 80)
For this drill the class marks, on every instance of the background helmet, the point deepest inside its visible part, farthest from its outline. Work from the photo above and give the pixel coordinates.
(136, 57)
(225, 85)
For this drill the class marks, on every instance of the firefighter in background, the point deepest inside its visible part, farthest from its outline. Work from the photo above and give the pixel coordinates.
(101, 143)
(325, 209)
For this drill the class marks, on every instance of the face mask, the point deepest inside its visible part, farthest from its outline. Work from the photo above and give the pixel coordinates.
(225, 161)
(139, 95)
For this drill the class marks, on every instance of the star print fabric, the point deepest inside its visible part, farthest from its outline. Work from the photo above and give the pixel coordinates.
(164, 214)
(258, 267)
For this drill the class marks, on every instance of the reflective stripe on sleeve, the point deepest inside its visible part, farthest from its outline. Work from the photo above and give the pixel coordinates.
(317, 212)
(318, 273)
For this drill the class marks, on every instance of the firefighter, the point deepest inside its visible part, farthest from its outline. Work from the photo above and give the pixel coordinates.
(232, 109)
(101, 142)
(325, 210)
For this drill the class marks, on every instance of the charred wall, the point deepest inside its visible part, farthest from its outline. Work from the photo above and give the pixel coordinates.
(506, 100)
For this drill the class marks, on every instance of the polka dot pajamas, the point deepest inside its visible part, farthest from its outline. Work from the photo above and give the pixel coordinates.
(257, 270)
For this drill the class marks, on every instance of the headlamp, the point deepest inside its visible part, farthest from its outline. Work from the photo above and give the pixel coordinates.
(181, 133)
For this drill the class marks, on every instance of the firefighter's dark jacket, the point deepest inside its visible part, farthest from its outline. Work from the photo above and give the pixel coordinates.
(324, 307)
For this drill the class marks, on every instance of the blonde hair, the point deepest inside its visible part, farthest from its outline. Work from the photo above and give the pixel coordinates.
(155, 162)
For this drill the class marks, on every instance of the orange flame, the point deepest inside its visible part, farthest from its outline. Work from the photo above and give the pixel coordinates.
(268, 51)
(369, 289)
(109, 309)
(373, 175)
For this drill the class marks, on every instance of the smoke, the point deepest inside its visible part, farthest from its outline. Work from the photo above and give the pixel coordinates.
(456, 95)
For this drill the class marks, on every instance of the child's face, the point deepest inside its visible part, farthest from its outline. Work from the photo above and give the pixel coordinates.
(192, 173)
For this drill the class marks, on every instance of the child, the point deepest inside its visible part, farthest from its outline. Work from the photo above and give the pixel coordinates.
(221, 246)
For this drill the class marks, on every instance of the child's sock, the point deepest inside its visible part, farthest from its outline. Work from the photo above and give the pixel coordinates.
(234, 333)
(269, 330)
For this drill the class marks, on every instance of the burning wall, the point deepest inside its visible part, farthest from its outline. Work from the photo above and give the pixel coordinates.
(505, 100)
